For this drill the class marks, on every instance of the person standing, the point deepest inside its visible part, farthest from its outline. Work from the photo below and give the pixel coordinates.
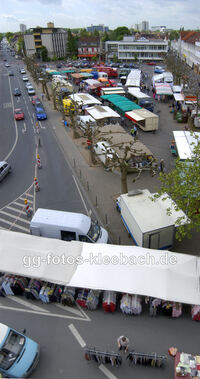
(135, 131)
(162, 166)
(123, 343)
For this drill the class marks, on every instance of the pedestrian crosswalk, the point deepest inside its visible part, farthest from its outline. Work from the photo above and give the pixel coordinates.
(7, 105)
(13, 216)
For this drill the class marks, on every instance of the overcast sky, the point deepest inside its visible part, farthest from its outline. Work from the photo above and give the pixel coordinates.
(113, 13)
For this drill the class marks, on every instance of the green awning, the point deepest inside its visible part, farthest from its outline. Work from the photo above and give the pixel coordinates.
(121, 102)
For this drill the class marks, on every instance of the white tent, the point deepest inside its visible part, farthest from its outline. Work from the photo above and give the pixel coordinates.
(100, 112)
(185, 143)
(84, 99)
(133, 78)
(135, 270)
(163, 89)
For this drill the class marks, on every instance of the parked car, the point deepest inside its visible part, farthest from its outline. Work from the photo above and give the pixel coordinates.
(22, 71)
(151, 63)
(16, 92)
(28, 84)
(58, 65)
(25, 78)
(7, 65)
(40, 113)
(36, 100)
(159, 70)
(5, 168)
(10, 73)
(18, 114)
(31, 91)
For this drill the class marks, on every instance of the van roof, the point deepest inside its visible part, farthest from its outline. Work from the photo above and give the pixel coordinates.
(61, 218)
(3, 332)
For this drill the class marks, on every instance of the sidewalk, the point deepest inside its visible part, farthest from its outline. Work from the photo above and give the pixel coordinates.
(102, 187)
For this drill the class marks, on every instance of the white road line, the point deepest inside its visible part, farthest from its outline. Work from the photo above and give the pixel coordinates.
(24, 129)
(16, 130)
(15, 210)
(77, 335)
(41, 313)
(14, 216)
(28, 195)
(22, 203)
(16, 226)
(82, 311)
(42, 126)
(107, 372)
(84, 204)
(27, 304)
(69, 309)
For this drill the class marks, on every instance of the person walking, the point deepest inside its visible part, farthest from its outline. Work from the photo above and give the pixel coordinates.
(135, 131)
(162, 166)
(123, 343)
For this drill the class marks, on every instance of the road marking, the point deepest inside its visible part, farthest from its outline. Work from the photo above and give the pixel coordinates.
(41, 126)
(7, 105)
(82, 311)
(69, 309)
(42, 313)
(16, 129)
(24, 129)
(20, 204)
(14, 216)
(18, 99)
(77, 335)
(26, 304)
(14, 210)
(81, 196)
(107, 372)
(16, 226)
(29, 195)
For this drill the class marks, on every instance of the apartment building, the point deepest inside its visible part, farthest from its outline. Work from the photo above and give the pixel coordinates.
(54, 39)
(130, 47)
(188, 48)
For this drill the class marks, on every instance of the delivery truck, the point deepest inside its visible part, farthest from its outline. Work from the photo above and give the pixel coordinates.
(147, 221)
(67, 226)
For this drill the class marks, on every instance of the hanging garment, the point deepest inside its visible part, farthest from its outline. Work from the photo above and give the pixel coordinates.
(82, 297)
(176, 309)
(68, 296)
(125, 304)
(109, 301)
(92, 300)
(136, 304)
(195, 312)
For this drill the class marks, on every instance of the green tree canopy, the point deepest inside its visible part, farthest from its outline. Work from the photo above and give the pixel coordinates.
(9, 36)
(173, 35)
(182, 184)
(118, 33)
(72, 48)
(105, 37)
(44, 54)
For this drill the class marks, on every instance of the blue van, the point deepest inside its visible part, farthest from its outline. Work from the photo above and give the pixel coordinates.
(40, 113)
(19, 355)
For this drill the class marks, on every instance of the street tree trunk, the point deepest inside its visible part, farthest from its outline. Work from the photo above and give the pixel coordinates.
(124, 186)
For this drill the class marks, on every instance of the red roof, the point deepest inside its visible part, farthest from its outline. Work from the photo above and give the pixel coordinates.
(190, 36)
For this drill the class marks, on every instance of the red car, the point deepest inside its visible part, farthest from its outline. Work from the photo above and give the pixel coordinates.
(151, 63)
(18, 114)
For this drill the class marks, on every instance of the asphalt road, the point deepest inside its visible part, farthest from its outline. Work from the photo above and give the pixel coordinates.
(61, 332)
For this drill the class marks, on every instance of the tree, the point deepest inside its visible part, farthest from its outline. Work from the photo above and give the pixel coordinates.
(183, 185)
(9, 36)
(174, 34)
(105, 37)
(44, 53)
(72, 48)
(115, 59)
(118, 33)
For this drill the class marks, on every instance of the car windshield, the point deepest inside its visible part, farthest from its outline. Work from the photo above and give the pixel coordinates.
(18, 111)
(11, 350)
(94, 231)
(40, 111)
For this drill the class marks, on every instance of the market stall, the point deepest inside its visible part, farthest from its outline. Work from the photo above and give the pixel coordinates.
(145, 119)
(186, 365)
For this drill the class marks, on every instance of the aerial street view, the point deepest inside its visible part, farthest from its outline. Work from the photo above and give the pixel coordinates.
(99, 189)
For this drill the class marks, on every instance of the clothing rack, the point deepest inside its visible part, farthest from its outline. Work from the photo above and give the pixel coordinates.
(103, 356)
(152, 359)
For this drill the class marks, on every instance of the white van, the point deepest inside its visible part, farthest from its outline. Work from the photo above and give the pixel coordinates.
(67, 226)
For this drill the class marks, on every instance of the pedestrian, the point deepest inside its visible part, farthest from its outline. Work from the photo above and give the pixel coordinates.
(132, 131)
(42, 96)
(162, 166)
(135, 131)
(123, 343)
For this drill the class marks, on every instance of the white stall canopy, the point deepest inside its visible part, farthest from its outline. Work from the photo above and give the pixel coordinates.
(137, 93)
(163, 89)
(98, 112)
(179, 97)
(130, 269)
(185, 143)
(84, 99)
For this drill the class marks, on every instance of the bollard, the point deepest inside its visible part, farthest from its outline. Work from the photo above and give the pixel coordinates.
(37, 188)
(38, 161)
(27, 208)
(106, 217)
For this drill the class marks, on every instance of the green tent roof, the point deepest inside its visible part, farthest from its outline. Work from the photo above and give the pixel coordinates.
(121, 102)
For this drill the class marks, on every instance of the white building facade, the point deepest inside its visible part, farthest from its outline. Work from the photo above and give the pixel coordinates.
(130, 48)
